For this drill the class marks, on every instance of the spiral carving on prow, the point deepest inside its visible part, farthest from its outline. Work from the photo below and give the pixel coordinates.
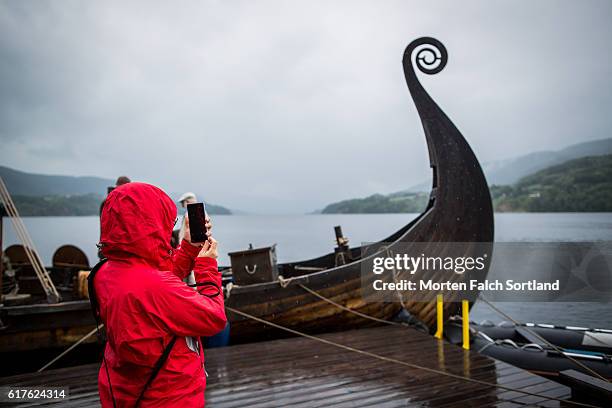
(431, 55)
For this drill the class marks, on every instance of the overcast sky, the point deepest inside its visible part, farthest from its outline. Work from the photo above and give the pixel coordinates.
(286, 106)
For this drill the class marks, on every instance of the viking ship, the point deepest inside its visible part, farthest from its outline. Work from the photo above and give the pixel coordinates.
(459, 210)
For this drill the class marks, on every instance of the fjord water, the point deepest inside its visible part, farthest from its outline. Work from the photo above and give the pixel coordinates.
(300, 237)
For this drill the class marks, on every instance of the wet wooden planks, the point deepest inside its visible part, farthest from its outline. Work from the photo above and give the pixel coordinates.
(300, 372)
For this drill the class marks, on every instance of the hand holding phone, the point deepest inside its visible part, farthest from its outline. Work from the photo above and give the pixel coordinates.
(209, 249)
(197, 222)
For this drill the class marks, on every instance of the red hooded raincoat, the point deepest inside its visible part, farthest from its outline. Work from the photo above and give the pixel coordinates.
(144, 302)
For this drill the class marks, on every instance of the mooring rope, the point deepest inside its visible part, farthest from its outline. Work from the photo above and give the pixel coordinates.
(398, 292)
(348, 309)
(314, 293)
(228, 289)
(69, 349)
(400, 362)
(284, 282)
(559, 350)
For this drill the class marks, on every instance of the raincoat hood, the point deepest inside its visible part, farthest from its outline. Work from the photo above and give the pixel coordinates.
(137, 221)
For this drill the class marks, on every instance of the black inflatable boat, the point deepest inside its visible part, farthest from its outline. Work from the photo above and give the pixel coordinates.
(519, 346)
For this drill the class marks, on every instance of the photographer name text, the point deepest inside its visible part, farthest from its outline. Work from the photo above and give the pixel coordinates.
(486, 285)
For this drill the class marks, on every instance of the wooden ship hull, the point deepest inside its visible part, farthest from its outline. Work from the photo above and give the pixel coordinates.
(459, 210)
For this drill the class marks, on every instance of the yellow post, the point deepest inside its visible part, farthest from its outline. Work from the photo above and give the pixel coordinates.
(440, 320)
(465, 316)
(441, 358)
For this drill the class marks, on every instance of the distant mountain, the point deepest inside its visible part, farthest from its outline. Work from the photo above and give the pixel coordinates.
(378, 203)
(509, 171)
(58, 205)
(30, 184)
(76, 204)
(579, 185)
(42, 195)
(212, 209)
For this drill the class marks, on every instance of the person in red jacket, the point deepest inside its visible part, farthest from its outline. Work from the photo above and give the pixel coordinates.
(144, 303)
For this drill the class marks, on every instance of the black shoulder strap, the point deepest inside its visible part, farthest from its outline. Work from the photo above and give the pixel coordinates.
(95, 308)
(158, 365)
(93, 299)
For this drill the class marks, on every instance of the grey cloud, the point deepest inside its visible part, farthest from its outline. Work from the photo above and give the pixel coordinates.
(273, 106)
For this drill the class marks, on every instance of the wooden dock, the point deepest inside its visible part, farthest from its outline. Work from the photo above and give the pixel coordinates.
(301, 372)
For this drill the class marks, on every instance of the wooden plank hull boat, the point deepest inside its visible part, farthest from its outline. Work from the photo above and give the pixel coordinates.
(459, 210)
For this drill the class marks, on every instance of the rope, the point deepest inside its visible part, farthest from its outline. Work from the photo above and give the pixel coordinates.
(82, 339)
(228, 289)
(399, 293)
(53, 295)
(404, 363)
(595, 373)
(348, 309)
(340, 256)
(284, 282)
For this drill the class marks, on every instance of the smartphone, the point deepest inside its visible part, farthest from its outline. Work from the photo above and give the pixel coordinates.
(197, 221)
